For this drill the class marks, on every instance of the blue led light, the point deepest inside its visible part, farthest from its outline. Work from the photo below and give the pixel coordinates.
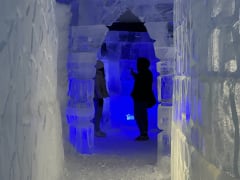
(130, 117)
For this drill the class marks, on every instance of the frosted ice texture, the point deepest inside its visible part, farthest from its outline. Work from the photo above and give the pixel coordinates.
(84, 41)
(205, 131)
(86, 38)
(165, 89)
(158, 31)
(81, 136)
(30, 130)
(164, 122)
(165, 52)
(81, 65)
(28, 44)
(165, 81)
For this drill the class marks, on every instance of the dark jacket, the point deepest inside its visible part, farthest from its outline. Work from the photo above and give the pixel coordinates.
(100, 89)
(142, 88)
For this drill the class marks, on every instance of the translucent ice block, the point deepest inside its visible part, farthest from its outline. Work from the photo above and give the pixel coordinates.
(81, 65)
(93, 35)
(165, 67)
(81, 136)
(85, 138)
(81, 91)
(165, 118)
(165, 89)
(78, 115)
(164, 144)
(81, 130)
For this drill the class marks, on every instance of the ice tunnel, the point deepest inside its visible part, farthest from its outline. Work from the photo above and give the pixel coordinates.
(196, 46)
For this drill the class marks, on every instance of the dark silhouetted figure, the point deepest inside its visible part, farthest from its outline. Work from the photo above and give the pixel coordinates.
(100, 92)
(143, 96)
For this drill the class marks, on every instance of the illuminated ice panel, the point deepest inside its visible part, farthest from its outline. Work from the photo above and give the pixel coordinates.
(165, 89)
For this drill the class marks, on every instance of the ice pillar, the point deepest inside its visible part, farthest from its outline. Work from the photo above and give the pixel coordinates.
(84, 42)
(30, 121)
(164, 52)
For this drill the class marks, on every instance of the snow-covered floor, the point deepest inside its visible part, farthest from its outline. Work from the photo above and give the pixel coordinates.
(118, 157)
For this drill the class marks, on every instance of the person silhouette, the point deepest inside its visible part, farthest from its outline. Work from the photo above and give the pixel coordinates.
(100, 92)
(143, 96)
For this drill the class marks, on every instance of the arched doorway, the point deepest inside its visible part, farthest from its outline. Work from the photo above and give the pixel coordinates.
(90, 43)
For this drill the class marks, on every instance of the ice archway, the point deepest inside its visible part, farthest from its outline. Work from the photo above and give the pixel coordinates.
(86, 34)
(205, 136)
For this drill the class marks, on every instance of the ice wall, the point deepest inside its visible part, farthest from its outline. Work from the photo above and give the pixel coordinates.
(63, 18)
(205, 130)
(30, 122)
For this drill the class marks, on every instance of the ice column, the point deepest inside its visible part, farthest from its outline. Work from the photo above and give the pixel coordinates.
(164, 51)
(84, 41)
(30, 118)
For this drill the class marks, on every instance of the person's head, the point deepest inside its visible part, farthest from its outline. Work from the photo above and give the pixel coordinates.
(142, 63)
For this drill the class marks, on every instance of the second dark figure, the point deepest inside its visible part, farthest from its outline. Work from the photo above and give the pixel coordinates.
(142, 95)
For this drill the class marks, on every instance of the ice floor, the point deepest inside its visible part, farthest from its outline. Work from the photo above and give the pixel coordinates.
(118, 157)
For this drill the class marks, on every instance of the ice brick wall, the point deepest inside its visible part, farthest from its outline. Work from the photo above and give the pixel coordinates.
(30, 125)
(205, 130)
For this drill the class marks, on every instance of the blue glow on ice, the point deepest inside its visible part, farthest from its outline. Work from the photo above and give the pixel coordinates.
(188, 110)
(166, 90)
(119, 83)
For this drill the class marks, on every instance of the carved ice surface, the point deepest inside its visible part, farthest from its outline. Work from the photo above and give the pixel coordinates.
(81, 136)
(205, 128)
(165, 81)
(206, 84)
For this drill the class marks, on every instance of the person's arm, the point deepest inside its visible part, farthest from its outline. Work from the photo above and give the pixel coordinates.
(133, 73)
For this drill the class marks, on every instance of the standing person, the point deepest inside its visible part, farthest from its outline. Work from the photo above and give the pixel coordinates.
(100, 92)
(142, 96)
